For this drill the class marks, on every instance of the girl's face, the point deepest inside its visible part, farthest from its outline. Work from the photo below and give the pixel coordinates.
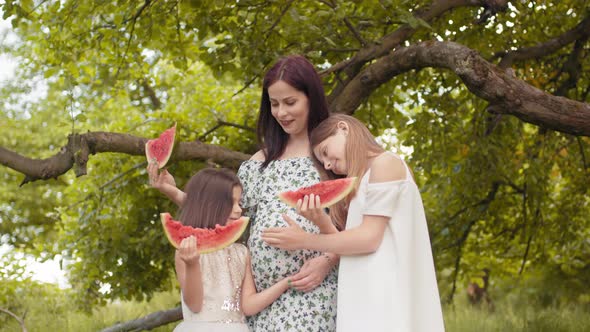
(331, 152)
(289, 106)
(236, 210)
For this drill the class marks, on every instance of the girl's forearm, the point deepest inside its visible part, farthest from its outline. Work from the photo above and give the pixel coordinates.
(327, 227)
(364, 239)
(192, 287)
(174, 194)
(256, 302)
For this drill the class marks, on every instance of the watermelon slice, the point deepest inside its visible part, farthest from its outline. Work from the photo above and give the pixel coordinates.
(208, 240)
(160, 149)
(330, 192)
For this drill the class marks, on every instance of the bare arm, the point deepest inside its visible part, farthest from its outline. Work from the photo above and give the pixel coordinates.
(366, 238)
(188, 272)
(253, 302)
(165, 183)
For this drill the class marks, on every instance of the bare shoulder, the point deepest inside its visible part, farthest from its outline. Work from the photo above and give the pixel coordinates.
(258, 156)
(387, 167)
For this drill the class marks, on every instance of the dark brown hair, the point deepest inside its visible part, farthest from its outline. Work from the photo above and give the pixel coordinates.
(209, 198)
(299, 73)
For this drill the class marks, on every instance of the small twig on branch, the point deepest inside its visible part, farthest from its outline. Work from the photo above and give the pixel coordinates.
(572, 67)
(584, 163)
(355, 32)
(461, 242)
(151, 94)
(21, 321)
(134, 21)
(491, 8)
(546, 48)
(221, 123)
(386, 44)
(533, 230)
(278, 20)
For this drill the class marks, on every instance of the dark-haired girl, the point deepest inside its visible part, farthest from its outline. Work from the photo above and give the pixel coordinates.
(217, 289)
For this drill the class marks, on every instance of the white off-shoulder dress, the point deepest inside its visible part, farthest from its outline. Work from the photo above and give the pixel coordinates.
(393, 289)
(222, 274)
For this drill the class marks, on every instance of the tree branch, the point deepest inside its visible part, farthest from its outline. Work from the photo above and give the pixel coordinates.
(348, 24)
(458, 264)
(221, 123)
(572, 67)
(133, 22)
(151, 94)
(276, 22)
(394, 39)
(80, 146)
(491, 8)
(148, 322)
(506, 93)
(355, 32)
(461, 242)
(584, 163)
(21, 321)
(534, 229)
(548, 47)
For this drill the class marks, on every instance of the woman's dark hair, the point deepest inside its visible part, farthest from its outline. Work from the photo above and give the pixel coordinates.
(299, 73)
(209, 198)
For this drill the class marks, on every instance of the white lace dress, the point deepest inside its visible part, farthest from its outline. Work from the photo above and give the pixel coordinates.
(293, 310)
(393, 289)
(222, 275)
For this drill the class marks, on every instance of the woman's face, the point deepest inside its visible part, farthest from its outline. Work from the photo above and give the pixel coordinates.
(331, 152)
(290, 107)
(236, 210)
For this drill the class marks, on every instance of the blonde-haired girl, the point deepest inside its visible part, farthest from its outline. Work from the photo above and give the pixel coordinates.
(387, 279)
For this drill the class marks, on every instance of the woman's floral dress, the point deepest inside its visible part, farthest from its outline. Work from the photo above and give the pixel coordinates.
(294, 310)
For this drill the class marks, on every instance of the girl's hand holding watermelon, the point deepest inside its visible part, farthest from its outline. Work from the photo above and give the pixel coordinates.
(310, 208)
(188, 251)
(159, 180)
(164, 182)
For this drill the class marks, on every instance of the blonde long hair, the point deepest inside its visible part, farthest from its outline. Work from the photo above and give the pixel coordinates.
(360, 145)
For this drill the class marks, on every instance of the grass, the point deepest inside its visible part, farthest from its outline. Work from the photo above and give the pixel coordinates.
(512, 314)
(47, 316)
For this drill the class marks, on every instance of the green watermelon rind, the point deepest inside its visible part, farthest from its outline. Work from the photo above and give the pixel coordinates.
(290, 197)
(149, 153)
(208, 240)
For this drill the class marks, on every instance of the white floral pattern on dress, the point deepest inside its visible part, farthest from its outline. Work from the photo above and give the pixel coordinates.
(294, 310)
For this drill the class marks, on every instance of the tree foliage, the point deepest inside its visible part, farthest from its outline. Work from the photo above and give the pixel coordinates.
(490, 95)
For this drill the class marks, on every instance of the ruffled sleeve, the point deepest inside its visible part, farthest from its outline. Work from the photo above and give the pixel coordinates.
(382, 198)
(249, 175)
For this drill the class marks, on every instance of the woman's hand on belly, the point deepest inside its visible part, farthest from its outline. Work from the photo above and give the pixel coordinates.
(312, 274)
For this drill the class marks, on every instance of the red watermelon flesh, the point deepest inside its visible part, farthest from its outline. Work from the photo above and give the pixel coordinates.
(208, 240)
(330, 192)
(160, 149)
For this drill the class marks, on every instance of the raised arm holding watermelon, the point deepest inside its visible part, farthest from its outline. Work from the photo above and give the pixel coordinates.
(293, 103)
(387, 279)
